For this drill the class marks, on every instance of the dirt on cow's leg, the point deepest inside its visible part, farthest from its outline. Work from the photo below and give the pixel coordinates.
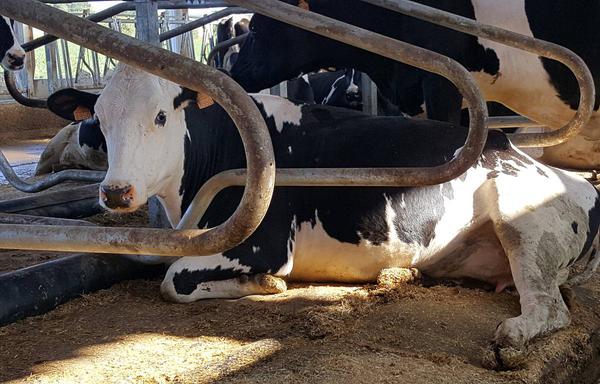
(536, 277)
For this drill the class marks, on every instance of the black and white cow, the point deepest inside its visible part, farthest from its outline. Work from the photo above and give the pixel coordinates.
(227, 30)
(79, 145)
(339, 88)
(508, 220)
(11, 54)
(540, 89)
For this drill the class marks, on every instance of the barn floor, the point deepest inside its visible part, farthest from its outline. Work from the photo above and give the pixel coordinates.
(318, 334)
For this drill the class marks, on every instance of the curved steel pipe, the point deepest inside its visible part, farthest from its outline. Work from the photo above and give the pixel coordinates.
(224, 45)
(516, 40)
(13, 90)
(97, 17)
(188, 73)
(50, 181)
(408, 54)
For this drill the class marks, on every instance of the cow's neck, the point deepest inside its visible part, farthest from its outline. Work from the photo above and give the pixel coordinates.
(213, 145)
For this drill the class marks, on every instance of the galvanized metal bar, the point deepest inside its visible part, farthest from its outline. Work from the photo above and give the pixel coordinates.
(201, 22)
(224, 45)
(188, 73)
(50, 181)
(406, 53)
(498, 122)
(369, 95)
(516, 40)
(13, 90)
(97, 17)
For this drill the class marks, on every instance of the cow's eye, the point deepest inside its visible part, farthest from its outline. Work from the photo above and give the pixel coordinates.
(161, 118)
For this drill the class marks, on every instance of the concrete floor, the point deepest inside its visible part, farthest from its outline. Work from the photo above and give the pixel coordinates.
(23, 156)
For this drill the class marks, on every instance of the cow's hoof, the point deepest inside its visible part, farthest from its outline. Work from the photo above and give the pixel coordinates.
(270, 284)
(394, 277)
(504, 358)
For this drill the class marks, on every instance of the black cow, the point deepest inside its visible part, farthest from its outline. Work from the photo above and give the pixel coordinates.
(79, 145)
(537, 88)
(12, 56)
(493, 223)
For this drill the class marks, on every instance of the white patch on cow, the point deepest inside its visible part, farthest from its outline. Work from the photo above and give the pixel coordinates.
(523, 84)
(280, 109)
(255, 249)
(319, 257)
(305, 78)
(286, 269)
(457, 152)
(289, 149)
(15, 50)
(333, 88)
(353, 87)
(210, 289)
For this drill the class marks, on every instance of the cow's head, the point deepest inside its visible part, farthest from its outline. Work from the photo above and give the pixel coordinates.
(275, 51)
(13, 56)
(143, 121)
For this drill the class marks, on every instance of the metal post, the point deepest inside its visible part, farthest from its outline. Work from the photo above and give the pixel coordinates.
(146, 21)
(369, 95)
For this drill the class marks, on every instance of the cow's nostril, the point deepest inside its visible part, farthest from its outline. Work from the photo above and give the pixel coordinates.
(116, 197)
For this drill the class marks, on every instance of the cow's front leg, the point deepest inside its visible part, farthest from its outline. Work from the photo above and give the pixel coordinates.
(537, 276)
(215, 277)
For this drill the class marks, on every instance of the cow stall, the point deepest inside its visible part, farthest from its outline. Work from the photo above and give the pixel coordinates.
(307, 322)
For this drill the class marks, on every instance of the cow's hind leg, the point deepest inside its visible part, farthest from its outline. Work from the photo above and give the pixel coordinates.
(536, 271)
(215, 277)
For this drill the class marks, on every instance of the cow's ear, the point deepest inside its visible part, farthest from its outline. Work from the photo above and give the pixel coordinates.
(72, 104)
(304, 4)
(188, 96)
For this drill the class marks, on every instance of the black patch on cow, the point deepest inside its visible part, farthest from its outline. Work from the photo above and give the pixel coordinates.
(64, 102)
(186, 281)
(6, 38)
(91, 135)
(572, 24)
(593, 226)
(574, 225)
(185, 96)
(274, 51)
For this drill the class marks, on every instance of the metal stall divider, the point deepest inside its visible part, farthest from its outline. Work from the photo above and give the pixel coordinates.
(83, 175)
(260, 172)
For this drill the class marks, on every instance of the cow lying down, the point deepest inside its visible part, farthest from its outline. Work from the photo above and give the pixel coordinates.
(508, 221)
(79, 145)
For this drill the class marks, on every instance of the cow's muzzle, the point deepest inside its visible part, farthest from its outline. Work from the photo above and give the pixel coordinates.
(15, 60)
(116, 197)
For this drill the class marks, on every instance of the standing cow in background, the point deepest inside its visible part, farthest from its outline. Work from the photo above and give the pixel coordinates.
(538, 88)
(11, 53)
(227, 30)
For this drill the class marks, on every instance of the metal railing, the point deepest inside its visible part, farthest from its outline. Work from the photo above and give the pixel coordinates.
(191, 74)
(259, 179)
(9, 79)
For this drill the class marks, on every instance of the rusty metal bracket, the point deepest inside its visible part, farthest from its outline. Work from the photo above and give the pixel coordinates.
(184, 71)
(516, 40)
